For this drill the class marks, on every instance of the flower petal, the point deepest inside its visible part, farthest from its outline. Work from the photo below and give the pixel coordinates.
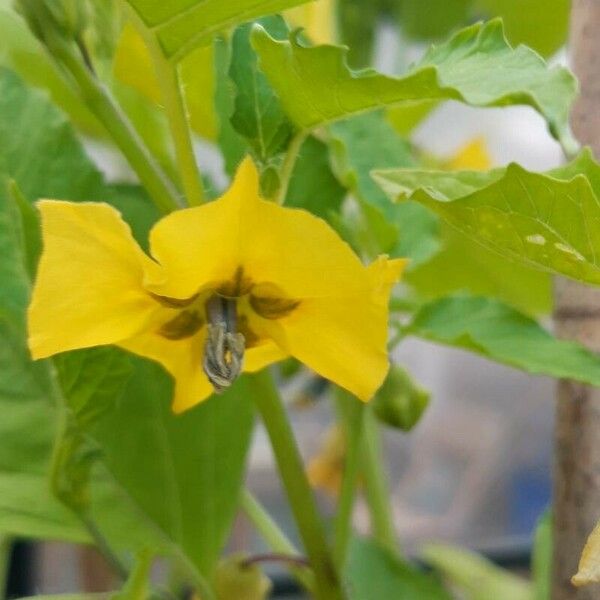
(182, 359)
(344, 338)
(290, 250)
(297, 252)
(262, 356)
(202, 245)
(88, 289)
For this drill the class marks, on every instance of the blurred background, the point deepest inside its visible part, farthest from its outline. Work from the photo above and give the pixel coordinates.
(477, 468)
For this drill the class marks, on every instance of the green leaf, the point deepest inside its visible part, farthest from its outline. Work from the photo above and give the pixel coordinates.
(179, 26)
(313, 185)
(541, 24)
(475, 577)
(373, 572)
(434, 19)
(90, 381)
(405, 117)
(181, 457)
(503, 334)
(29, 397)
(541, 557)
(367, 142)
(182, 472)
(30, 228)
(180, 475)
(357, 23)
(548, 221)
(50, 161)
(463, 265)
(476, 66)
(361, 144)
(258, 116)
(29, 510)
(27, 427)
(232, 145)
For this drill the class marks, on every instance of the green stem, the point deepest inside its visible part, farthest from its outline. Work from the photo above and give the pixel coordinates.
(102, 545)
(351, 412)
(6, 544)
(273, 536)
(376, 485)
(298, 489)
(263, 521)
(287, 168)
(174, 105)
(93, 93)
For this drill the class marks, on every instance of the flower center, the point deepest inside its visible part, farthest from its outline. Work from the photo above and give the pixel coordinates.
(224, 346)
(228, 333)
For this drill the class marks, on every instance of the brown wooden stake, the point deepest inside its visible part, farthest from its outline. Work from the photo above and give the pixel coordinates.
(576, 503)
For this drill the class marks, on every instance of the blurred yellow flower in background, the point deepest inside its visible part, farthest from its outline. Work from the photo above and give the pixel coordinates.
(473, 156)
(233, 285)
(589, 563)
(318, 20)
(326, 469)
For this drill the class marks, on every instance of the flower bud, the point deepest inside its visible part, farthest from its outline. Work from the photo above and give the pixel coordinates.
(237, 580)
(400, 402)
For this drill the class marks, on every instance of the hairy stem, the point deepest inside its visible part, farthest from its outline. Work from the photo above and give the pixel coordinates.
(273, 536)
(97, 98)
(287, 168)
(174, 105)
(376, 486)
(265, 524)
(351, 412)
(300, 496)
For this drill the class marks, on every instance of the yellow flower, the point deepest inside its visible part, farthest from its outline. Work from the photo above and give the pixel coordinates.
(589, 563)
(318, 20)
(473, 155)
(326, 468)
(235, 284)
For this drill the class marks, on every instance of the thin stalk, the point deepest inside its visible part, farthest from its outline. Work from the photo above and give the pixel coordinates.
(174, 105)
(93, 93)
(351, 412)
(287, 168)
(102, 545)
(265, 524)
(6, 544)
(300, 496)
(273, 536)
(376, 486)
